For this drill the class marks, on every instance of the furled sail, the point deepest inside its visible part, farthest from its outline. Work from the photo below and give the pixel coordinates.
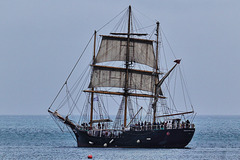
(105, 76)
(113, 48)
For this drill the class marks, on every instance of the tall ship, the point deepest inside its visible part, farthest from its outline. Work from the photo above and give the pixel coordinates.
(125, 77)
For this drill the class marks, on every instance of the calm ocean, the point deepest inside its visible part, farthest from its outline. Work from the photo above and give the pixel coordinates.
(38, 137)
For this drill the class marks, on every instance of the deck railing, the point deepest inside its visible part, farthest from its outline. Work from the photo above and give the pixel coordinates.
(117, 133)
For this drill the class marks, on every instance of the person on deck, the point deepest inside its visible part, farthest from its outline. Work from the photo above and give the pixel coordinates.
(187, 124)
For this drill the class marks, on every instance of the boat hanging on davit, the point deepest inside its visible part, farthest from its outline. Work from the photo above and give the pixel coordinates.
(126, 77)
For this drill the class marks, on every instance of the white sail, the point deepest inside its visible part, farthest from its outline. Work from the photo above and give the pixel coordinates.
(104, 76)
(113, 48)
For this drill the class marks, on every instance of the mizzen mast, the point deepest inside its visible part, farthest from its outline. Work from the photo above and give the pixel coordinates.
(156, 78)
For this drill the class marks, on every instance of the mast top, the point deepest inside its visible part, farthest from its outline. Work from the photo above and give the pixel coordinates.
(129, 26)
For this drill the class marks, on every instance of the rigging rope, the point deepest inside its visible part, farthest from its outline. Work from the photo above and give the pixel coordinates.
(144, 15)
(183, 91)
(184, 83)
(70, 131)
(71, 71)
(144, 28)
(168, 42)
(54, 119)
(78, 94)
(111, 20)
(85, 105)
(122, 21)
(76, 84)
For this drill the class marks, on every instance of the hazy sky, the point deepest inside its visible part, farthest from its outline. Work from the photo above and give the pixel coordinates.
(40, 40)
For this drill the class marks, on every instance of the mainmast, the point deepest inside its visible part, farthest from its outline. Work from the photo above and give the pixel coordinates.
(127, 65)
(156, 79)
(109, 50)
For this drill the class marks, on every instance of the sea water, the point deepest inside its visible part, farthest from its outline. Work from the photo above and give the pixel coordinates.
(38, 137)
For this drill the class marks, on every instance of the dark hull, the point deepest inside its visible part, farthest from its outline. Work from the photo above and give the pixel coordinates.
(168, 138)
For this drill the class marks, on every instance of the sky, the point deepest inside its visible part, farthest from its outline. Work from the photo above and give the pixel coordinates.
(40, 41)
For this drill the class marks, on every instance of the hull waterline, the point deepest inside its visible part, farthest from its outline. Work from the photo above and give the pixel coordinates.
(169, 138)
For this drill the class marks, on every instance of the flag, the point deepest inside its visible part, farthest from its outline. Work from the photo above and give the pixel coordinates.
(178, 61)
(95, 99)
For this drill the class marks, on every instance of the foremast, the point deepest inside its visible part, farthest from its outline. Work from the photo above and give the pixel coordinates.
(92, 93)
